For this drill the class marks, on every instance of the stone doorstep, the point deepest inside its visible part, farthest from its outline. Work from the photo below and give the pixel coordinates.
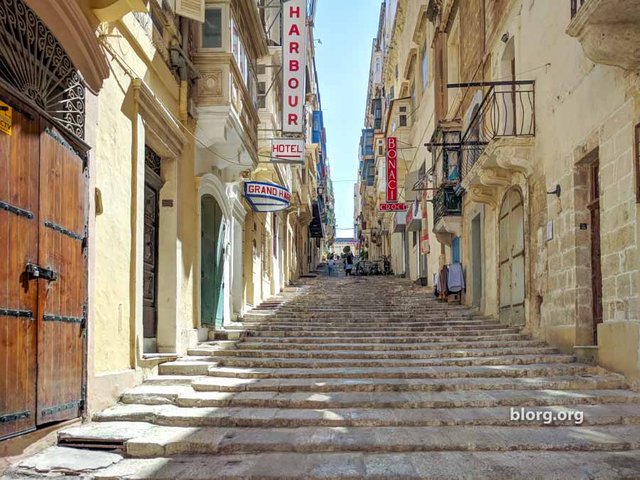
(168, 441)
(512, 371)
(171, 415)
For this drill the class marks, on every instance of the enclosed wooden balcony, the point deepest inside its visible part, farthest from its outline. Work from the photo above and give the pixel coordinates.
(609, 31)
(226, 108)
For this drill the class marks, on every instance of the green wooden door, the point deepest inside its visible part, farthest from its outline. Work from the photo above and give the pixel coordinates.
(212, 262)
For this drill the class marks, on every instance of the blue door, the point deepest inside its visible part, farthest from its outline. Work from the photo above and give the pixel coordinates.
(455, 250)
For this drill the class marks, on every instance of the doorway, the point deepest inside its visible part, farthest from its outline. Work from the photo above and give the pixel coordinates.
(43, 272)
(512, 259)
(596, 262)
(211, 263)
(476, 259)
(152, 186)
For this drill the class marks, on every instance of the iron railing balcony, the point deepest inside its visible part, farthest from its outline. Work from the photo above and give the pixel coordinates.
(446, 203)
(608, 30)
(575, 6)
(506, 111)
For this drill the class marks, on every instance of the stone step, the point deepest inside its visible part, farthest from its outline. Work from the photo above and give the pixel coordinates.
(377, 334)
(172, 415)
(382, 354)
(251, 345)
(588, 382)
(329, 400)
(400, 466)
(172, 380)
(249, 362)
(511, 371)
(362, 318)
(382, 339)
(187, 366)
(320, 325)
(313, 330)
(167, 441)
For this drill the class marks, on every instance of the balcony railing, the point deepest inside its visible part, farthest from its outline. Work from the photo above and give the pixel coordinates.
(575, 6)
(507, 110)
(446, 203)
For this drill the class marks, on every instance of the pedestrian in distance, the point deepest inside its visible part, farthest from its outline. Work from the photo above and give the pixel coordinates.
(330, 265)
(348, 263)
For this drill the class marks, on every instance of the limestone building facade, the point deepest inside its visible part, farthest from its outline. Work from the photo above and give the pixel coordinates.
(163, 117)
(532, 117)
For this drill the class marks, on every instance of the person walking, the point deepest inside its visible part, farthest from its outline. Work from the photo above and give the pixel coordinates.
(348, 263)
(330, 265)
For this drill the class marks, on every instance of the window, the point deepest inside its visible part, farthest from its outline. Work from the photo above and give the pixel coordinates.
(637, 162)
(453, 60)
(212, 28)
(413, 97)
(275, 229)
(425, 69)
(262, 95)
(243, 62)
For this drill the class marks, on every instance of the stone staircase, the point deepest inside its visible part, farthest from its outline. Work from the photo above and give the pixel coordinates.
(369, 378)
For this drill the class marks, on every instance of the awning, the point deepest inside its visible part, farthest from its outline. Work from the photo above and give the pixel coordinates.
(414, 217)
(399, 222)
(316, 229)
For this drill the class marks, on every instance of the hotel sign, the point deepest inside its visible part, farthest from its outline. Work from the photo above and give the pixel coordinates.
(287, 150)
(392, 169)
(266, 197)
(392, 207)
(294, 65)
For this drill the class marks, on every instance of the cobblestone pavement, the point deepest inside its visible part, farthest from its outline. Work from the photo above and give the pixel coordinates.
(362, 377)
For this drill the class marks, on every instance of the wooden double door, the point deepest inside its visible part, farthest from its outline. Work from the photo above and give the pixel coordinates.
(43, 280)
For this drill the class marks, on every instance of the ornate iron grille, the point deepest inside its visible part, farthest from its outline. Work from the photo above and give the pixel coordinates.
(152, 160)
(446, 203)
(507, 110)
(33, 61)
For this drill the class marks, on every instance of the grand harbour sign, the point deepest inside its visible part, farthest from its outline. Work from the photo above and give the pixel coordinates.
(266, 197)
(287, 150)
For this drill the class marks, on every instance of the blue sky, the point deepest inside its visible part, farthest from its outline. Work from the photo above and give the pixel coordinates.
(346, 29)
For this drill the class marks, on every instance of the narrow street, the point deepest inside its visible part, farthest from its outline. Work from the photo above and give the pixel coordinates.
(364, 377)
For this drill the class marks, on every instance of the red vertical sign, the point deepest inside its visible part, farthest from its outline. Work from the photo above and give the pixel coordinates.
(392, 169)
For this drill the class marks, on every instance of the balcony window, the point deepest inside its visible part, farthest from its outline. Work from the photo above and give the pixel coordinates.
(453, 60)
(637, 161)
(575, 6)
(242, 60)
(212, 28)
(425, 69)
